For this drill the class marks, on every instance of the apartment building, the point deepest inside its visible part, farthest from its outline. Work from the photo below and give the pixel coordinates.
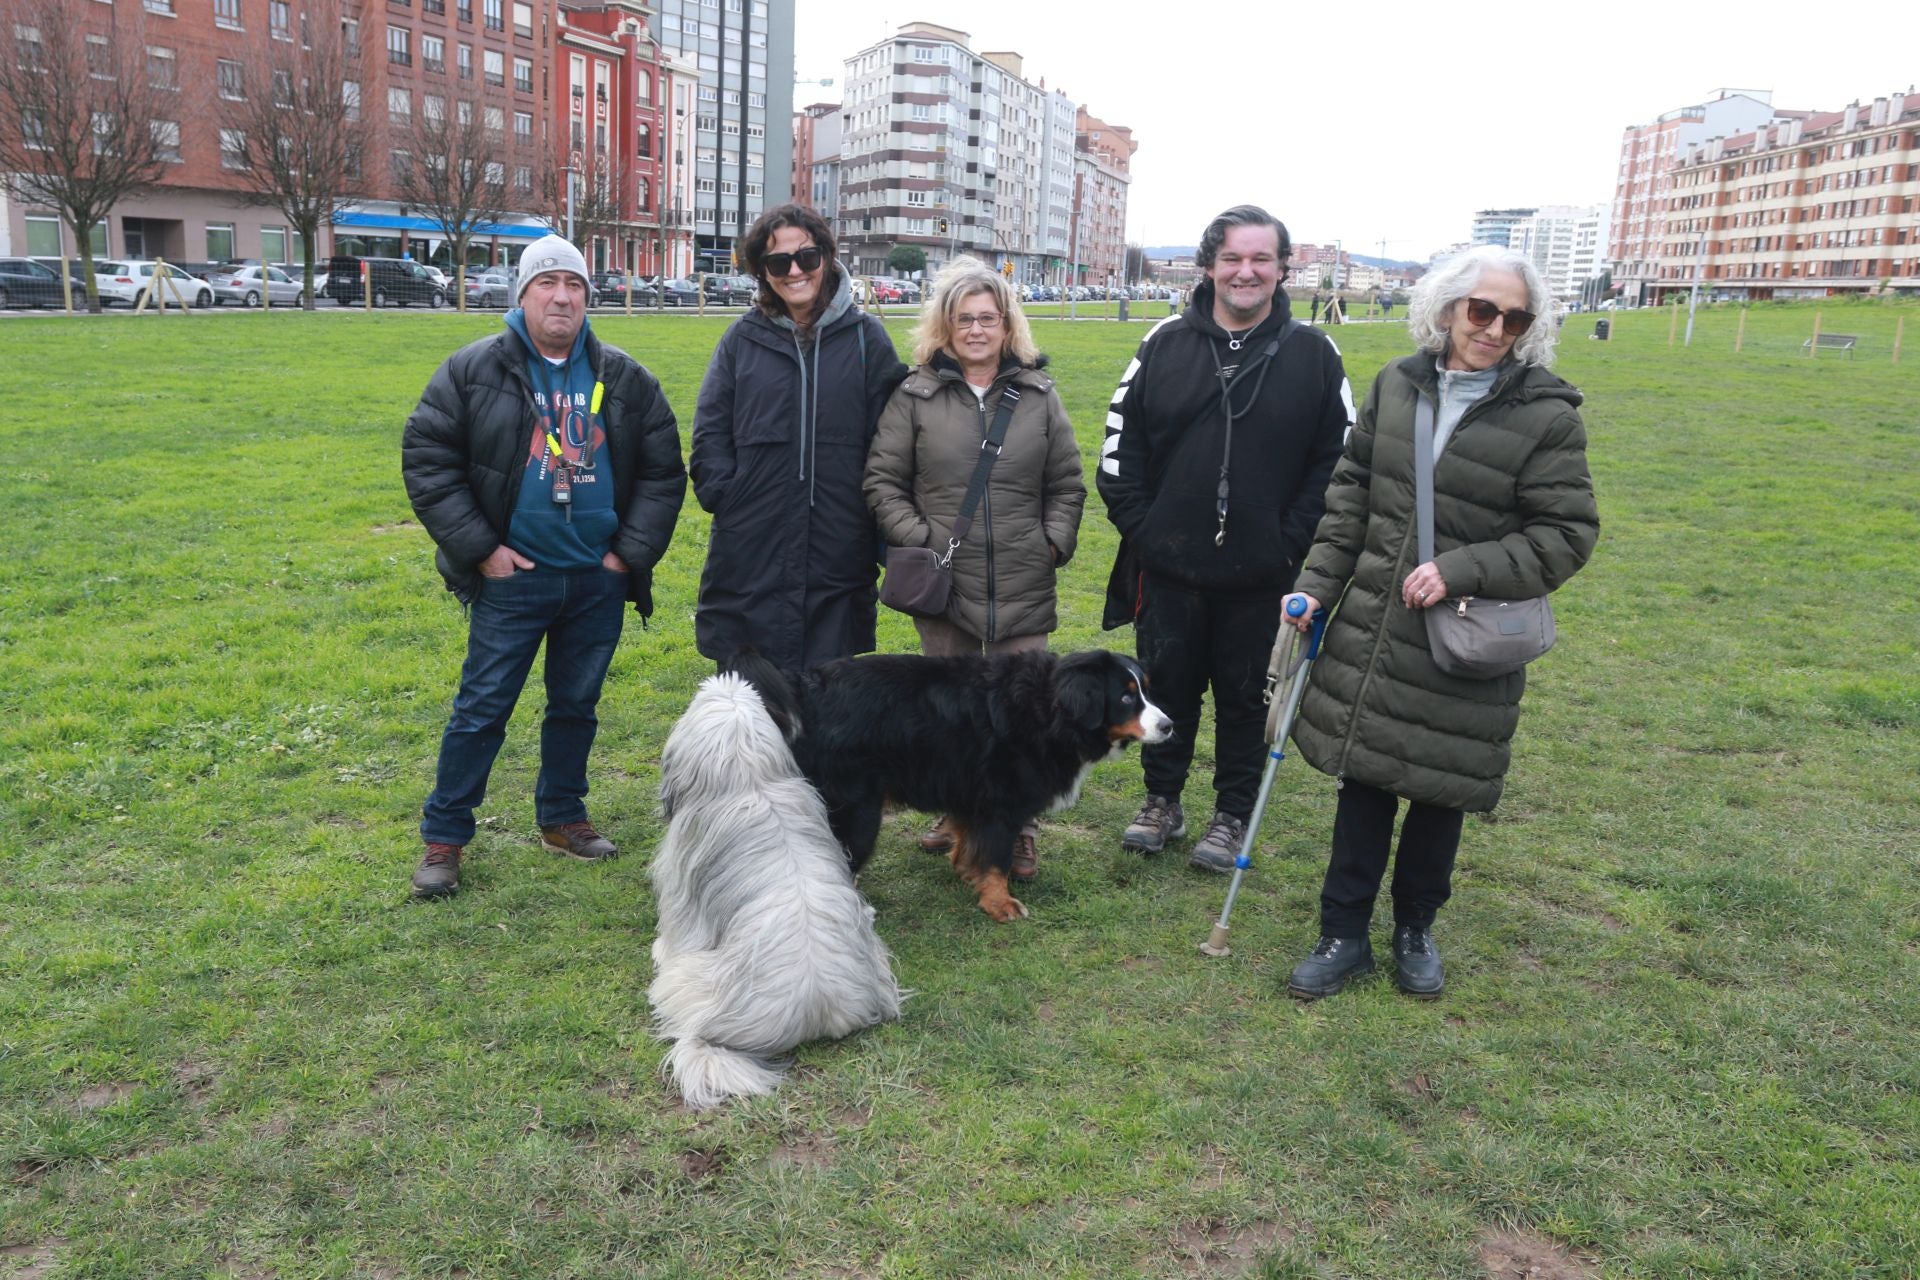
(959, 153)
(1644, 177)
(1815, 204)
(1103, 155)
(1495, 226)
(1566, 244)
(816, 159)
(740, 153)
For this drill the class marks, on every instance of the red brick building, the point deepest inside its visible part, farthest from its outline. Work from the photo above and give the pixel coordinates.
(1103, 158)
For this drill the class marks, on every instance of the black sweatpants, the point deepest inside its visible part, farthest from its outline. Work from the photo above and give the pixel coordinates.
(1187, 641)
(1362, 836)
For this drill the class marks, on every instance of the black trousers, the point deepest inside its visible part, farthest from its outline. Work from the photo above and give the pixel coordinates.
(1362, 836)
(1187, 641)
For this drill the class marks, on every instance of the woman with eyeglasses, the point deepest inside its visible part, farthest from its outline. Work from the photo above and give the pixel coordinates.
(973, 353)
(780, 439)
(1513, 517)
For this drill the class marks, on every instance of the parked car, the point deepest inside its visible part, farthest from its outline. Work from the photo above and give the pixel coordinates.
(74, 273)
(127, 281)
(25, 283)
(243, 284)
(492, 288)
(613, 289)
(728, 291)
(680, 293)
(884, 290)
(391, 280)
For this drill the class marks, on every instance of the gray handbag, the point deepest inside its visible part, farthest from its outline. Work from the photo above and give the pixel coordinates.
(1472, 636)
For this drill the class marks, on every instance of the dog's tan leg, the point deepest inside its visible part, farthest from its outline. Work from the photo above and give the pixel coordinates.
(991, 886)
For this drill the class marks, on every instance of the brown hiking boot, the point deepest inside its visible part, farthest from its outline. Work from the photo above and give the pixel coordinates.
(938, 838)
(1160, 819)
(578, 840)
(1026, 857)
(438, 875)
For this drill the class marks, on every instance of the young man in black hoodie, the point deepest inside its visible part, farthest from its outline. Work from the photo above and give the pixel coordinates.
(1220, 442)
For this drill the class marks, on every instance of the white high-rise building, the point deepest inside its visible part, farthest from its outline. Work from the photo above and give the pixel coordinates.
(1566, 243)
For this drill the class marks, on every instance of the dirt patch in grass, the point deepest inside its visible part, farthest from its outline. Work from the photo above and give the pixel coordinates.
(29, 1261)
(1418, 1086)
(852, 1117)
(807, 1151)
(195, 1080)
(96, 1096)
(398, 526)
(234, 1267)
(702, 1163)
(1523, 1255)
(1214, 1249)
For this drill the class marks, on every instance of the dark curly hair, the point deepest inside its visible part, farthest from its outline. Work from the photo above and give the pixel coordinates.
(1242, 215)
(753, 254)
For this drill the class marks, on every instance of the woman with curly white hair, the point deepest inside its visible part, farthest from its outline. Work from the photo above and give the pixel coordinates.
(1513, 518)
(972, 352)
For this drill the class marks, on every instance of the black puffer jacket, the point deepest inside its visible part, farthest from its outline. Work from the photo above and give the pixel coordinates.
(1513, 517)
(465, 450)
(779, 449)
(1166, 434)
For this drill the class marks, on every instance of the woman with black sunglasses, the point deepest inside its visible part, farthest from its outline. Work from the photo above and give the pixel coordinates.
(780, 439)
(1513, 518)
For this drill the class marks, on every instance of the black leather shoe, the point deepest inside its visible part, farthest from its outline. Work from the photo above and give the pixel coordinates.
(1328, 967)
(1416, 963)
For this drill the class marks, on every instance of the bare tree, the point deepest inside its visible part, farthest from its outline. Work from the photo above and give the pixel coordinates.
(600, 198)
(454, 170)
(291, 121)
(83, 124)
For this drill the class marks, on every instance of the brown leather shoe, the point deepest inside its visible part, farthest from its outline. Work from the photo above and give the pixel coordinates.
(578, 840)
(938, 838)
(1026, 857)
(438, 875)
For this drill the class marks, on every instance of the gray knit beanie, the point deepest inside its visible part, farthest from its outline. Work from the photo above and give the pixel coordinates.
(549, 253)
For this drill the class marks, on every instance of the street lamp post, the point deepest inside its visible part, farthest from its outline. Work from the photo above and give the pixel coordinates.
(573, 153)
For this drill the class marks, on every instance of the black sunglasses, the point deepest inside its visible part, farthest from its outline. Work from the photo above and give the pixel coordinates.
(1482, 313)
(780, 264)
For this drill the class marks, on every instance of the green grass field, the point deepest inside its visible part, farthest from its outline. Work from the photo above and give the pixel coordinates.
(1684, 955)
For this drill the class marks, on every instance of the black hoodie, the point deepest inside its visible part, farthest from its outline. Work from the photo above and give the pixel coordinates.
(1166, 433)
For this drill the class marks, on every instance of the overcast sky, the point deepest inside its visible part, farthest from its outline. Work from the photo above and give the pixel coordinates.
(1368, 121)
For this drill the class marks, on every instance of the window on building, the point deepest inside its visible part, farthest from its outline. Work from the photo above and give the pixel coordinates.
(230, 80)
(280, 19)
(226, 13)
(494, 121)
(495, 63)
(523, 127)
(490, 12)
(350, 98)
(523, 75)
(523, 177)
(643, 146)
(496, 173)
(233, 149)
(433, 53)
(99, 58)
(463, 10)
(400, 46)
(522, 19)
(463, 60)
(166, 139)
(220, 242)
(463, 113)
(161, 7)
(399, 166)
(160, 69)
(643, 88)
(433, 108)
(399, 105)
(643, 196)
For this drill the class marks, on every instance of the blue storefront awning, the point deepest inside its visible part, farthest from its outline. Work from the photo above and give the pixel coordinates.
(395, 222)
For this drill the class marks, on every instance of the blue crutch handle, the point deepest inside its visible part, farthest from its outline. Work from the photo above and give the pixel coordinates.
(1297, 607)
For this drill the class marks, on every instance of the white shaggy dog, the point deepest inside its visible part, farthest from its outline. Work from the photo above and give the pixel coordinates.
(763, 941)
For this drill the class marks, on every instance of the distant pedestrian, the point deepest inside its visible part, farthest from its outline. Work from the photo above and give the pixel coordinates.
(1513, 518)
(780, 440)
(545, 464)
(1219, 443)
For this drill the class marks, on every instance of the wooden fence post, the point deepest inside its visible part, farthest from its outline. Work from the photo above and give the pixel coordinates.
(1740, 334)
(1673, 322)
(1813, 347)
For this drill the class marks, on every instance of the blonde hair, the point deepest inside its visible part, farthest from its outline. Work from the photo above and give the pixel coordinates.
(958, 281)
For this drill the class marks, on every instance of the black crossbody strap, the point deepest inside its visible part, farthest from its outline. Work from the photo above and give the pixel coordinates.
(989, 453)
(1227, 386)
(1423, 475)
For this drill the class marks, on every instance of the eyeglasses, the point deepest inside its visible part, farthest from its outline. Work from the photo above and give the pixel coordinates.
(780, 264)
(1483, 313)
(988, 322)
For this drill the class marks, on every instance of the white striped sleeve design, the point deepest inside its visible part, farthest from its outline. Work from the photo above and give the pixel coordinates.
(1117, 408)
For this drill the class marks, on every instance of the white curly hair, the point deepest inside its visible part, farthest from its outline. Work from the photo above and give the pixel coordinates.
(1430, 309)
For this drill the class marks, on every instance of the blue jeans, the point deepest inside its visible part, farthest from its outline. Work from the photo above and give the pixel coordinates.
(579, 616)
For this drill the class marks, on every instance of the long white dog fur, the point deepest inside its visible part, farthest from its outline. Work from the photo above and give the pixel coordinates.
(763, 941)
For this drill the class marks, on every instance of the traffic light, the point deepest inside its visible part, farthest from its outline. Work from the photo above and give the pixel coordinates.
(1006, 269)
(943, 226)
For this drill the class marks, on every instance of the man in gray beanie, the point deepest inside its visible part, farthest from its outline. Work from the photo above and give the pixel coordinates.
(545, 464)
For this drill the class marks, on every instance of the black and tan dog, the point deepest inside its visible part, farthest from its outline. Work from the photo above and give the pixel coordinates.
(990, 742)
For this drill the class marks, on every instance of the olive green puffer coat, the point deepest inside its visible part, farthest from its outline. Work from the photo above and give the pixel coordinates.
(1514, 517)
(1024, 529)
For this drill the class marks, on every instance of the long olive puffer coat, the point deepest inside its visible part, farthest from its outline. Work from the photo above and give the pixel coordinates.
(923, 456)
(1514, 517)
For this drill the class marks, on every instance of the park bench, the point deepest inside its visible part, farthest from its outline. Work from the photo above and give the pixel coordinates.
(1832, 342)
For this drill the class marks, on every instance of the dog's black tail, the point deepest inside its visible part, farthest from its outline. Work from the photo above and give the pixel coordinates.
(775, 690)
